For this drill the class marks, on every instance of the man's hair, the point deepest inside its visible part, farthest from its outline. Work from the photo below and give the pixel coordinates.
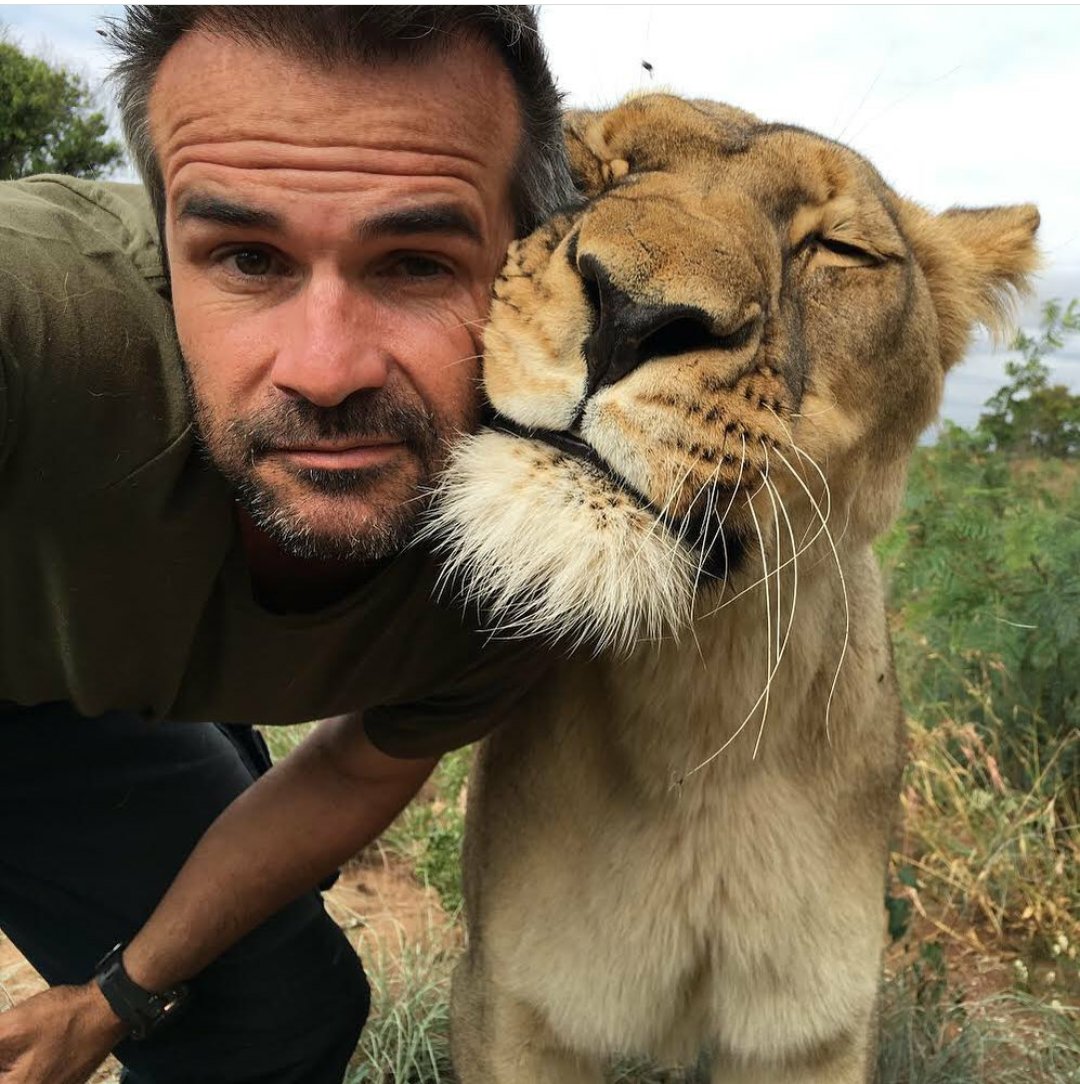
(332, 35)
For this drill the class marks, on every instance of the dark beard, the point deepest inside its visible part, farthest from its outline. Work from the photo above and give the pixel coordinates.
(237, 447)
(386, 535)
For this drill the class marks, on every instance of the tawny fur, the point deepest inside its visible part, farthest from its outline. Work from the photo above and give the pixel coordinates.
(678, 848)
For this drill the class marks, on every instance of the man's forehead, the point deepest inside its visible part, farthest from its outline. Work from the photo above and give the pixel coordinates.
(458, 101)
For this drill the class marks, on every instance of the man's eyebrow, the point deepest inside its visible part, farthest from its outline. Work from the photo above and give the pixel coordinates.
(225, 213)
(445, 218)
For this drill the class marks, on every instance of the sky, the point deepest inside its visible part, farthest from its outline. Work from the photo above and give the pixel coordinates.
(955, 105)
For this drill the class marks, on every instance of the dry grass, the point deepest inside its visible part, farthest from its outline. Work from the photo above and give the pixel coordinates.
(995, 865)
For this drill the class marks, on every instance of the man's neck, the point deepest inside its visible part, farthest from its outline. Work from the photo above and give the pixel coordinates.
(283, 583)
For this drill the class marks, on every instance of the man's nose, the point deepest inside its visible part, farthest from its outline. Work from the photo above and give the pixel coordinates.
(330, 347)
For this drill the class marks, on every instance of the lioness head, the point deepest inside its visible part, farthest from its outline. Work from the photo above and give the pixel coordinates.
(735, 340)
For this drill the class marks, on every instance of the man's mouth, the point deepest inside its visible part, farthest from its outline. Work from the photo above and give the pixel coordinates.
(343, 455)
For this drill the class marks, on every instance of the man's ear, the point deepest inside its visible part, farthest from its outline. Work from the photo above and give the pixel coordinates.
(976, 262)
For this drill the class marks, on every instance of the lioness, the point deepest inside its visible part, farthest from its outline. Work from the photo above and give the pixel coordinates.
(708, 380)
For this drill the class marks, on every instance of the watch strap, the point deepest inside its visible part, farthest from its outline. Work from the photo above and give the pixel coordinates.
(142, 1010)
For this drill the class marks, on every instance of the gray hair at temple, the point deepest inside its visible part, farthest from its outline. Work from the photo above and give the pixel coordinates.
(330, 35)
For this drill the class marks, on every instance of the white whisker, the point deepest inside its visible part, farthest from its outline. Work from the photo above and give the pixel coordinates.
(796, 553)
(776, 498)
(826, 488)
(769, 671)
(843, 588)
(769, 488)
(723, 520)
(764, 694)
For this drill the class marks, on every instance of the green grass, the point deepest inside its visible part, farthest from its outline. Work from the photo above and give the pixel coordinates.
(930, 1034)
(406, 1038)
(428, 834)
(282, 740)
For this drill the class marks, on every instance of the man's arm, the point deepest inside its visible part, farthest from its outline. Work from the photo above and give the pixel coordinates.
(334, 794)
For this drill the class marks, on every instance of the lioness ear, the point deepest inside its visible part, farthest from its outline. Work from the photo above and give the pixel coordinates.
(977, 262)
(586, 165)
(648, 132)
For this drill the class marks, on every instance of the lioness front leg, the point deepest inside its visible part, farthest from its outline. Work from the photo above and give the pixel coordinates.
(496, 1039)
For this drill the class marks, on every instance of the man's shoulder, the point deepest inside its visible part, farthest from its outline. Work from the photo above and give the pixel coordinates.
(457, 680)
(83, 217)
(87, 341)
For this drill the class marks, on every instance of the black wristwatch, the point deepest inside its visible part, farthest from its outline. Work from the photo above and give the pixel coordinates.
(143, 1011)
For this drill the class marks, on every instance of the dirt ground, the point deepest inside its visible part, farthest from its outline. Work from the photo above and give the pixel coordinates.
(376, 901)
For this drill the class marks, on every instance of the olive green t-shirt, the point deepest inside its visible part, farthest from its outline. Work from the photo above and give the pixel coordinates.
(122, 582)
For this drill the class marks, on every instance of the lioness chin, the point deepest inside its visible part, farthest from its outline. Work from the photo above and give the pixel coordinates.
(707, 380)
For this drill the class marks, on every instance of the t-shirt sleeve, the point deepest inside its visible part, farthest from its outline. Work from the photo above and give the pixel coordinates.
(484, 696)
(83, 320)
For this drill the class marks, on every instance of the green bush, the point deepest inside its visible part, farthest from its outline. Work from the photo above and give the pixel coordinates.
(984, 575)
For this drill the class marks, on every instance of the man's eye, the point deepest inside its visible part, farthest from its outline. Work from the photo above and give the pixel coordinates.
(419, 267)
(250, 262)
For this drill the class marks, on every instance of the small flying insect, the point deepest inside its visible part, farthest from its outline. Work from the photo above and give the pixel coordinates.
(647, 66)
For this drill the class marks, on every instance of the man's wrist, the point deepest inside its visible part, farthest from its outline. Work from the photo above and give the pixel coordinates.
(144, 966)
(100, 1016)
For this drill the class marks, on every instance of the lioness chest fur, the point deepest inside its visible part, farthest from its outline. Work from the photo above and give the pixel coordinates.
(708, 380)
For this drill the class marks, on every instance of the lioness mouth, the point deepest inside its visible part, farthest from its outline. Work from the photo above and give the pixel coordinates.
(574, 446)
(718, 552)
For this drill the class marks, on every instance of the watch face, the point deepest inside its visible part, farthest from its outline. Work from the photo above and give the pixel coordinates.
(142, 1010)
(170, 1001)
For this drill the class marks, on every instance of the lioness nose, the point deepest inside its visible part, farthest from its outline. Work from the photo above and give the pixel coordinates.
(629, 332)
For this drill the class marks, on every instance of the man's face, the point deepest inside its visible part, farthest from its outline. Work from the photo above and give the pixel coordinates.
(333, 235)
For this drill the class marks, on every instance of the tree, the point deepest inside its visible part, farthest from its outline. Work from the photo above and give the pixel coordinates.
(48, 123)
(1029, 415)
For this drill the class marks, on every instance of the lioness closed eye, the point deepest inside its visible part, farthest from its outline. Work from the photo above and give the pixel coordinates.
(708, 380)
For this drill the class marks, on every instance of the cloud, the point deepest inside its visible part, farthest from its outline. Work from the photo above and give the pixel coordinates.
(63, 33)
(954, 105)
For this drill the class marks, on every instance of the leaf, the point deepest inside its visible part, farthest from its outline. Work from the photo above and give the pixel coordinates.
(907, 877)
(899, 911)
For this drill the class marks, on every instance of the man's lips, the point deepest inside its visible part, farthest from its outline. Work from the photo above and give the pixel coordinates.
(350, 456)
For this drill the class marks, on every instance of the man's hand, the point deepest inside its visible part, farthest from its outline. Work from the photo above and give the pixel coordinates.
(313, 811)
(58, 1037)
